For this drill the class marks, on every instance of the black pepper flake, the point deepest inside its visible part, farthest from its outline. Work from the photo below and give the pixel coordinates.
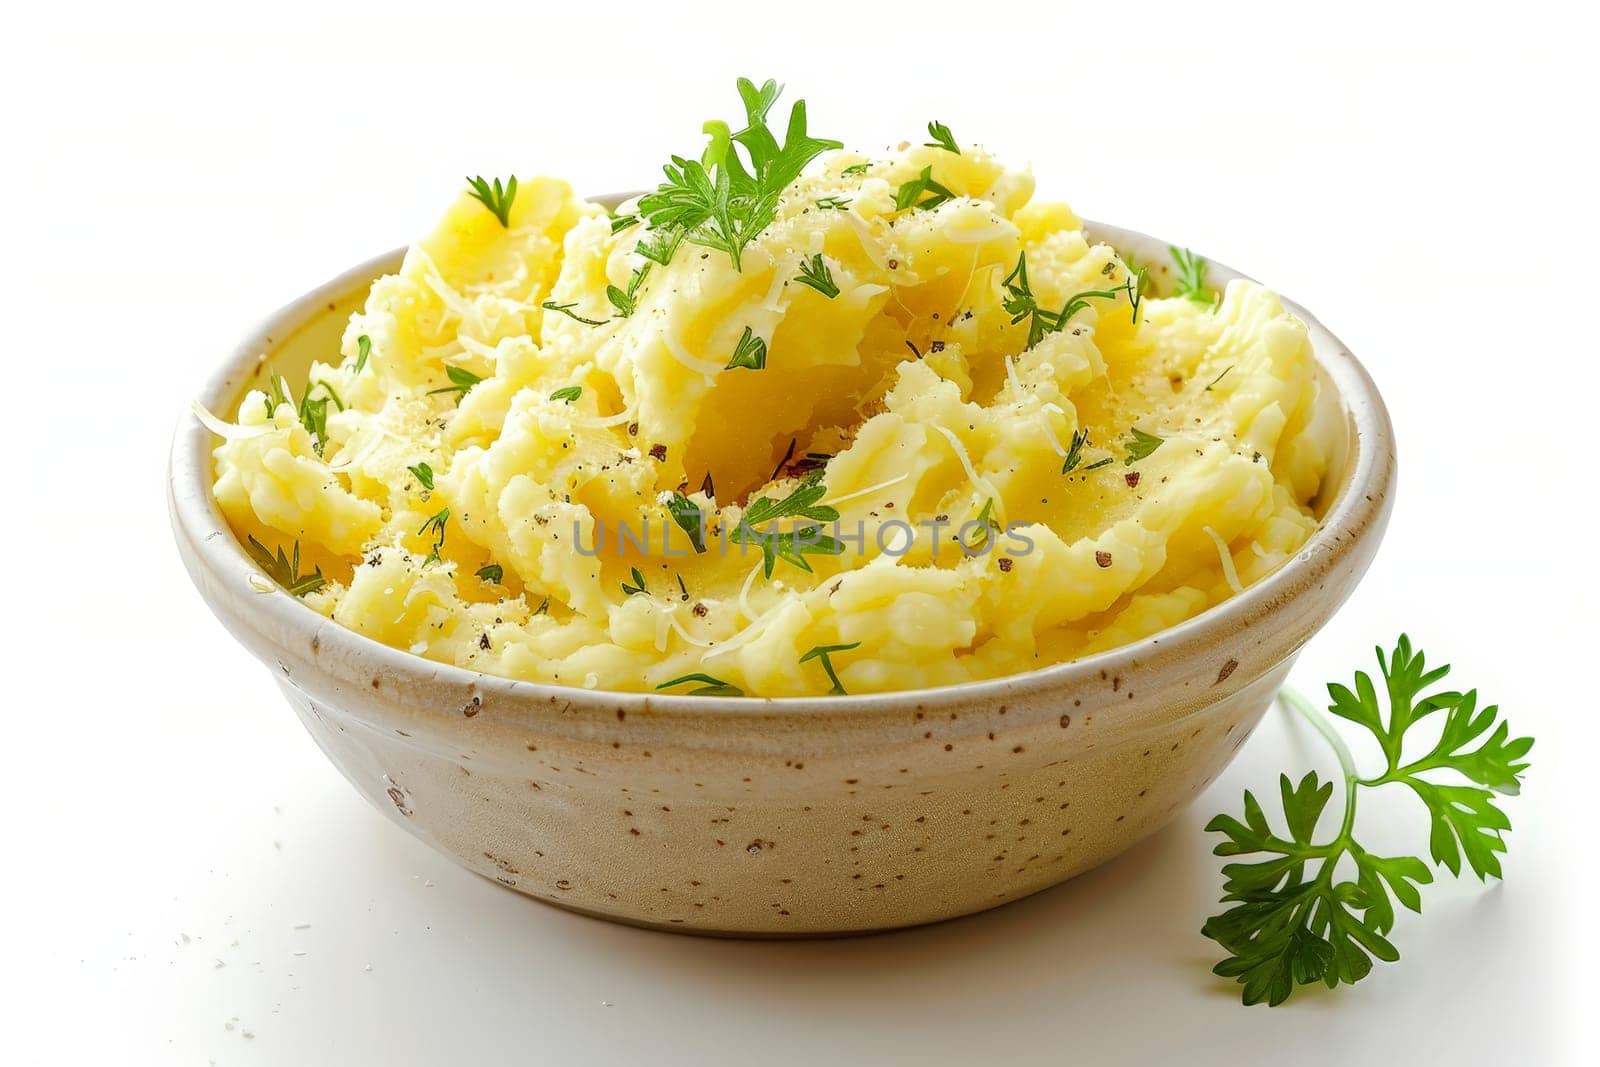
(1132, 478)
(658, 453)
(483, 641)
(1102, 558)
(1005, 564)
(936, 346)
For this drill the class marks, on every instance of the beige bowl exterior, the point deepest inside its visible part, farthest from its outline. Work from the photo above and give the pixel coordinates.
(793, 817)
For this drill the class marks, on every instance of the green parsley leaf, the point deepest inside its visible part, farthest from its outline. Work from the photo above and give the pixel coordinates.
(1294, 919)
(942, 137)
(424, 474)
(436, 524)
(1020, 303)
(1075, 451)
(638, 585)
(690, 519)
(285, 570)
(990, 527)
(906, 196)
(1140, 445)
(834, 203)
(622, 222)
(805, 539)
(625, 301)
(1097, 464)
(855, 168)
(492, 573)
(568, 393)
(1191, 280)
(709, 686)
(824, 653)
(363, 350)
(722, 201)
(461, 382)
(815, 273)
(311, 410)
(497, 198)
(566, 309)
(750, 352)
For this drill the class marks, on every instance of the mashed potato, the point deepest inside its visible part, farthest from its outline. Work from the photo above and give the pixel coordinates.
(505, 471)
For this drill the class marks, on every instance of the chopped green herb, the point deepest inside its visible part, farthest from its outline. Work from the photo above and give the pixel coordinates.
(989, 527)
(566, 309)
(424, 474)
(815, 273)
(1219, 377)
(1140, 445)
(567, 393)
(436, 524)
(834, 203)
(906, 196)
(1191, 279)
(687, 514)
(709, 686)
(622, 222)
(1075, 451)
(1097, 464)
(461, 382)
(824, 653)
(855, 168)
(1292, 920)
(638, 585)
(625, 300)
(942, 137)
(792, 546)
(750, 352)
(1020, 303)
(543, 608)
(721, 201)
(496, 197)
(285, 570)
(492, 573)
(363, 350)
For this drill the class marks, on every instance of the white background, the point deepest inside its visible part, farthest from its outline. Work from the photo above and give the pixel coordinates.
(1424, 182)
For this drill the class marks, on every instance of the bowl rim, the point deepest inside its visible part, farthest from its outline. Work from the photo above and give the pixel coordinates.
(1358, 513)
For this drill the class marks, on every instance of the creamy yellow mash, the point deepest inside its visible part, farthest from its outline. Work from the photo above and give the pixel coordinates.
(479, 469)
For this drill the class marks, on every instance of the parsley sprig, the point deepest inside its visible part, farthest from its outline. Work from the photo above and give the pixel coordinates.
(907, 195)
(1191, 278)
(1020, 303)
(815, 273)
(709, 686)
(310, 409)
(1298, 916)
(497, 197)
(690, 519)
(461, 382)
(825, 654)
(750, 353)
(942, 137)
(284, 569)
(566, 309)
(791, 546)
(1140, 445)
(722, 201)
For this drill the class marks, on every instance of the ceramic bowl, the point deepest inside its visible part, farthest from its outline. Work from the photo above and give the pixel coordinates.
(789, 817)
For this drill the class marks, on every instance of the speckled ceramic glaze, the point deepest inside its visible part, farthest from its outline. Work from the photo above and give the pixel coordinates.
(795, 816)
